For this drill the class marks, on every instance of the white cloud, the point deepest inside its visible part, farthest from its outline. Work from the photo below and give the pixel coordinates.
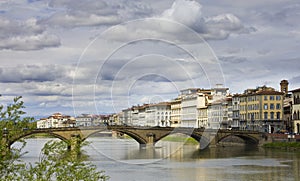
(46, 78)
(183, 11)
(94, 13)
(181, 20)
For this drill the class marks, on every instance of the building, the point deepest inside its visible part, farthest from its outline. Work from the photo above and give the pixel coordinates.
(219, 113)
(296, 110)
(262, 109)
(56, 120)
(288, 113)
(126, 117)
(203, 117)
(175, 120)
(158, 114)
(236, 124)
(191, 100)
(84, 120)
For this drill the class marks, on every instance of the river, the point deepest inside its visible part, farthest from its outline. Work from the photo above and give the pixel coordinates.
(124, 160)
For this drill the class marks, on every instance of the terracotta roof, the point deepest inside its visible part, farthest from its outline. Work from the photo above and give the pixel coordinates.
(269, 93)
(266, 92)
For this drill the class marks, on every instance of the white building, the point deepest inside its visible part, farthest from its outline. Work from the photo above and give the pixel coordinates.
(56, 120)
(84, 120)
(191, 100)
(219, 114)
(296, 110)
(175, 120)
(158, 114)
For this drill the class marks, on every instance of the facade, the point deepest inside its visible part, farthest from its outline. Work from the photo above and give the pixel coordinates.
(203, 117)
(56, 120)
(219, 114)
(192, 100)
(262, 109)
(296, 110)
(126, 118)
(84, 120)
(236, 124)
(288, 113)
(175, 120)
(158, 114)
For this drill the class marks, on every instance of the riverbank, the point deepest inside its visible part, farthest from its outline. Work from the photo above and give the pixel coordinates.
(186, 140)
(283, 145)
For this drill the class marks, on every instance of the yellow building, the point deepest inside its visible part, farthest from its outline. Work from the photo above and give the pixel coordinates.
(176, 112)
(262, 109)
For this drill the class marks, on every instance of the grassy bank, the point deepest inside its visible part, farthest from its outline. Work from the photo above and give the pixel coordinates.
(283, 145)
(186, 140)
(40, 135)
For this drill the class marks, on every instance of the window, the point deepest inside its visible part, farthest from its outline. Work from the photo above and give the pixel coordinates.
(278, 106)
(271, 97)
(265, 106)
(278, 115)
(278, 98)
(272, 115)
(252, 116)
(272, 106)
(266, 98)
(265, 115)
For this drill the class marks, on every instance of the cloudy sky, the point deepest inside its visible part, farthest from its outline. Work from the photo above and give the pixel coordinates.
(100, 56)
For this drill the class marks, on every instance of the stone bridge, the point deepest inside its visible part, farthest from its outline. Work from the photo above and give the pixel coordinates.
(145, 136)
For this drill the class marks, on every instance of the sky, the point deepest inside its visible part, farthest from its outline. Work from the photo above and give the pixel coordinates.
(101, 57)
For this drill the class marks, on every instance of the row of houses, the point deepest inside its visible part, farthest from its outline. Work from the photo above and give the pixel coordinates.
(58, 120)
(262, 108)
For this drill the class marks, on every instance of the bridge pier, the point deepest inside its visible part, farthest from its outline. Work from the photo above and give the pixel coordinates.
(5, 148)
(213, 140)
(74, 145)
(150, 141)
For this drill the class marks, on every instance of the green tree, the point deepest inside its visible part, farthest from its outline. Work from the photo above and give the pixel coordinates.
(11, 123)
(56, 162)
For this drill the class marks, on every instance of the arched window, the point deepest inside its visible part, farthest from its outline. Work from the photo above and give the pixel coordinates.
(295, 116)
(265, 115)
(298, 115)
(278, 115)
(272, 115)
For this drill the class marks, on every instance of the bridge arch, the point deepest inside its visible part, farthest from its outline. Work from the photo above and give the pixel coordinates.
(200, 138)
(133, 135)
(247, 138)
(12, 141)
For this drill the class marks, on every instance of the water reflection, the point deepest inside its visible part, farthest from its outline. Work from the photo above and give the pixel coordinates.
(122, 159)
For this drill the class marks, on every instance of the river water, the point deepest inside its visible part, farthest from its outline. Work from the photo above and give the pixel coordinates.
(124, 160)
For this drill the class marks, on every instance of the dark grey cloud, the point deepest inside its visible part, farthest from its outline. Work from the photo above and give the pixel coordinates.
(32, 73)
(154, 78)
(25, 35)
(232, 59)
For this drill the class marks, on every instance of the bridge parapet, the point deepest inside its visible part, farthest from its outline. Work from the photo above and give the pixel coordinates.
(143, 135)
